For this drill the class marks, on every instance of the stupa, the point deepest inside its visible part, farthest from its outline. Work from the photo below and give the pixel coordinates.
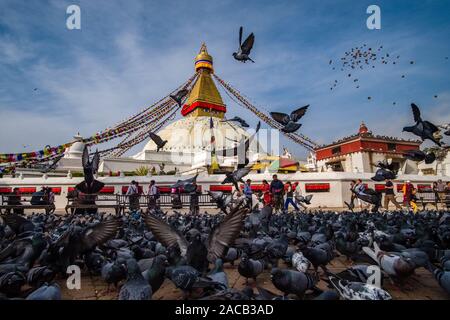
(189, 139)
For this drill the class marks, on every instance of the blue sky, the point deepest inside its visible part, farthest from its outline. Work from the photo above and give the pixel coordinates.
(129, 54)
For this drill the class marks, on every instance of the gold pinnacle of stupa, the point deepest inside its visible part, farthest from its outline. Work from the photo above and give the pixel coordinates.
(204, 99)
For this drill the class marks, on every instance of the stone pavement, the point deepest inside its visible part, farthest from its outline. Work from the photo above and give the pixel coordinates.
(420, 286)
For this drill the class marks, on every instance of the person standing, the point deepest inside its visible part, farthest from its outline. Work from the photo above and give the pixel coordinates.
(153, 193)
(267, 197)
(14, 199)
(277, 191)
(407, 193)
(440, 188)
(193, 202)
(298, 195)
(176, 198)
(248, 193)
(133, 196)
(389, 195)
(289, 197)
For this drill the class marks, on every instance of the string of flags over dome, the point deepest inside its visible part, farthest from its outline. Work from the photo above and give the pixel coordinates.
(198, 96)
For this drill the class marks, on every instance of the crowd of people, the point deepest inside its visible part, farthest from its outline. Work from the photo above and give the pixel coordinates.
(282, 196)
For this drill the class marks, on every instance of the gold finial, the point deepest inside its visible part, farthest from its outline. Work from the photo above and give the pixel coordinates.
(203, 60)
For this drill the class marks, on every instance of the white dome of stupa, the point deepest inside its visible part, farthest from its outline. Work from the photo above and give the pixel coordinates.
(193, 134)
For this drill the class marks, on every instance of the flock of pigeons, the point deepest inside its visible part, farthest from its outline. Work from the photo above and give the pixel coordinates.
(137, 254)
(365, 57)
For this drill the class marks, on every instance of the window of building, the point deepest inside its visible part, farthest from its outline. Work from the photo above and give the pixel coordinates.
(336, 166)
(336, 150)
(391, 146)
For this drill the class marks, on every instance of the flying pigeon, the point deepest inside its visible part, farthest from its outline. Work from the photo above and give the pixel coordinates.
(446, 127)
(239, 120)
(179, 96)
(244, 48)
(160, 143)
(222, 199)
(240, 150)
(383, 174)
(236, 176)
(220, 238)
(51, 165)
(90, 166)
(306, 200)
(419, 155)
(423, 129)
(186, 184)
(290, 121)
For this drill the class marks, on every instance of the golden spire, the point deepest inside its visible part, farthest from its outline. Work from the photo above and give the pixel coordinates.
(204, 99)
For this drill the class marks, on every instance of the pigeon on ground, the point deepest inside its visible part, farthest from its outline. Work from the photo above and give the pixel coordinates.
(276, 249)
(160, 143)
(179, 96)
(395, 266)
(423, 129)
(135, 287)
(232, 255)
(249, 268)
(244, 48)
(188, 278)
(241, 121)
(156, 272)
(114, 272)
(11, 283)
(46, 292)
(319, 256)
(218, 274)
(37, 276)
(441, 276)
(295, 282)
(355, 273)
(358, 290)
(300, 262)
(289, 122)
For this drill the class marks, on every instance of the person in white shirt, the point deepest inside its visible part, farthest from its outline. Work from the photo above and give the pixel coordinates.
(133, 196)
(298, 195)
(153, 193)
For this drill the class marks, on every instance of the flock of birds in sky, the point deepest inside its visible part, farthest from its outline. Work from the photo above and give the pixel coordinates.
(365, 58)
